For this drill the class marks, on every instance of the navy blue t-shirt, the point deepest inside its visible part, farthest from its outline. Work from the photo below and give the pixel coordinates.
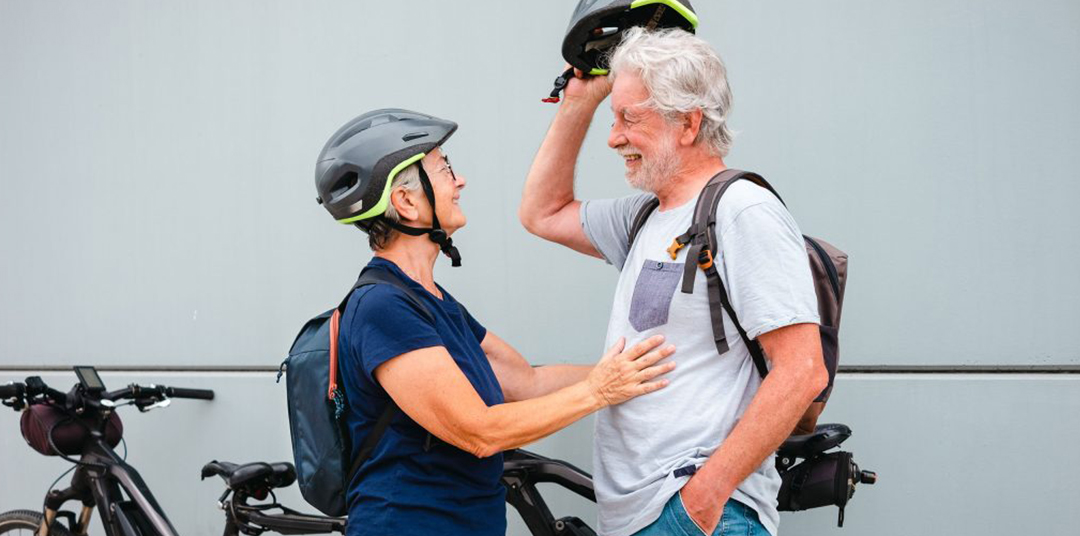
(403, 488)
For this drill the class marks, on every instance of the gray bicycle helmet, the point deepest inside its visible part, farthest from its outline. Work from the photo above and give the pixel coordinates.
(597, 25)
(357, 166)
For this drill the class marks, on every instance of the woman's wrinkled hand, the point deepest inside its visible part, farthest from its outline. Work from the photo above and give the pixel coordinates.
(624, 374)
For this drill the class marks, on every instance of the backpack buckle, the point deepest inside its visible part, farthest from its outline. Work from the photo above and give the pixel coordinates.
(705, 259)
(674, 248)
(681, 241)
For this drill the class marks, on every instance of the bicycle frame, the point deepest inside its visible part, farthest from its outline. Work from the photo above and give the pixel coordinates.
(254, 518)
(128, 508)
(522, 471)
(102, 480)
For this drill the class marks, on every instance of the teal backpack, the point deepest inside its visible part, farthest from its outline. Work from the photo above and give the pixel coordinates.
(321, 447)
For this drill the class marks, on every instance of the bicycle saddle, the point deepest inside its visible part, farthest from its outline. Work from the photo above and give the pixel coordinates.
(825, 437)
(252, 475)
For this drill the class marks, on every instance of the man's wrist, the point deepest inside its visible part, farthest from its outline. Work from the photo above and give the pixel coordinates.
(712, 478)
(580, 105)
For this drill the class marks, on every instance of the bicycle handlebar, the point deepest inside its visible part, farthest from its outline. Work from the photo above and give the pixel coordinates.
(11, 390)
(29, 391)
(182, 392)
(149, 391)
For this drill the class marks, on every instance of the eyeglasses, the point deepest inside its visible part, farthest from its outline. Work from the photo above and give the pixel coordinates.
(447, 167)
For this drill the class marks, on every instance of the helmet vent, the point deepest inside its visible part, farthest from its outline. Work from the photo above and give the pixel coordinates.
(344, 183)
(413, 136)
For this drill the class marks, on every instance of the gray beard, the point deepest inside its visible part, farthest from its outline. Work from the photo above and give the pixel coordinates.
(655, 171)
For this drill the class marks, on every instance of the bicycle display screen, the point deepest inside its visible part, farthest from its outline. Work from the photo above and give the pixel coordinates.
(89, 379)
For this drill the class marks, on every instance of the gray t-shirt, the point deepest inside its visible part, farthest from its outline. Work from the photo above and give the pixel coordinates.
(640, 443)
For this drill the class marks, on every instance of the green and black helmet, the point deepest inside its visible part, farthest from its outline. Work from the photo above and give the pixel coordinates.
(357, 166)
(597, 25)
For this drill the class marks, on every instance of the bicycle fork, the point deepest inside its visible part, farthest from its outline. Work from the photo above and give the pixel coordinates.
(54, 501)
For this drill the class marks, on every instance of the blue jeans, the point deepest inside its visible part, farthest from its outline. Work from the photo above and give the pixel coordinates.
(737, 520)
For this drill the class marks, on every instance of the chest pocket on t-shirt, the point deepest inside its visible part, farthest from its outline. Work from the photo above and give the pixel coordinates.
(652, 294)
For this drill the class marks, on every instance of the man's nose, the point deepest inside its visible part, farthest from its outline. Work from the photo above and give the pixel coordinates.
(616, 138)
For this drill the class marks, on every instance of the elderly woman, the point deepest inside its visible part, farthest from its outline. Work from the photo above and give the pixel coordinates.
(465, 394)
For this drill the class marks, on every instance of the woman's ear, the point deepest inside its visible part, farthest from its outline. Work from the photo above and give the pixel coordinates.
(405, 204)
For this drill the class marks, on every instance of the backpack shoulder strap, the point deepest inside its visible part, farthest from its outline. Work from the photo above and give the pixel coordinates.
(701, 237)
(367, 277)
(373, 438)
(640, 218)
(371, 277)
(385, 277)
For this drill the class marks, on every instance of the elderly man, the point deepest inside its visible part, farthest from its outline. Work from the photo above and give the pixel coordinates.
(696, 457)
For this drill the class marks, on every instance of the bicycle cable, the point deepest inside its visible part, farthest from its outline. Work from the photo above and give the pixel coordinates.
(62, 475)
(59, 453)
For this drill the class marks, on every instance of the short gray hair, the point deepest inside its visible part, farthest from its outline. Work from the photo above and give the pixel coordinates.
(378, 231)
(682, 73)
(407, 179)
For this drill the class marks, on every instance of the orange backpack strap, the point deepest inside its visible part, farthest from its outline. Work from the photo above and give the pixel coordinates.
(335, 329)
(367, 277)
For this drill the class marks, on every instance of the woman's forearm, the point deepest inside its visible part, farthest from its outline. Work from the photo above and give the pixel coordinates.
(522, 381)
(431, 389)
(515, 424)
(550, 378)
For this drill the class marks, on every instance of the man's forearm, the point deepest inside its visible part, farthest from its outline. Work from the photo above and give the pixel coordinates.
(776, 408)
(550, 183)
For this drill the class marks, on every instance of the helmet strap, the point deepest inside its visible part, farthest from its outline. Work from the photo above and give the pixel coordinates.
(560, 85)
(435, 232)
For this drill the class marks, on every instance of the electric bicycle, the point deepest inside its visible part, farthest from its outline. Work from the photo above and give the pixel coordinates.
(83, 423)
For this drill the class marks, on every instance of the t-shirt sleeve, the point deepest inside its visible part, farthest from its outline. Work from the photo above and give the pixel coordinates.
(607, 222)
(767, 272)
(387, 324)
(478, 330)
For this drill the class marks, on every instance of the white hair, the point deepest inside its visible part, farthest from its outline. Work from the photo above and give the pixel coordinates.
(407, 179)
(378, 230)
(682, 73)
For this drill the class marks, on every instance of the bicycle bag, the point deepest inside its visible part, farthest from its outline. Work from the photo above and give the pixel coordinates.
(322, 451)
(828, 265)
(822, 478)
(45, 426)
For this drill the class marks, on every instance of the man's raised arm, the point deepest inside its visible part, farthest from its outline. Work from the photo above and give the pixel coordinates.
(548, 206)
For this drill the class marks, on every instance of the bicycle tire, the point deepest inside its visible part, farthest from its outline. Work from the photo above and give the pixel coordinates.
(26, 522)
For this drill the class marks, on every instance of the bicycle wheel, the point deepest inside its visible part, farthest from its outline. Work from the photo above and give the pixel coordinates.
(26, 523)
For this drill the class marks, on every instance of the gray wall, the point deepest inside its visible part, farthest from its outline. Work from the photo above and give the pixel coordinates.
(956, 454)
(157, 210)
